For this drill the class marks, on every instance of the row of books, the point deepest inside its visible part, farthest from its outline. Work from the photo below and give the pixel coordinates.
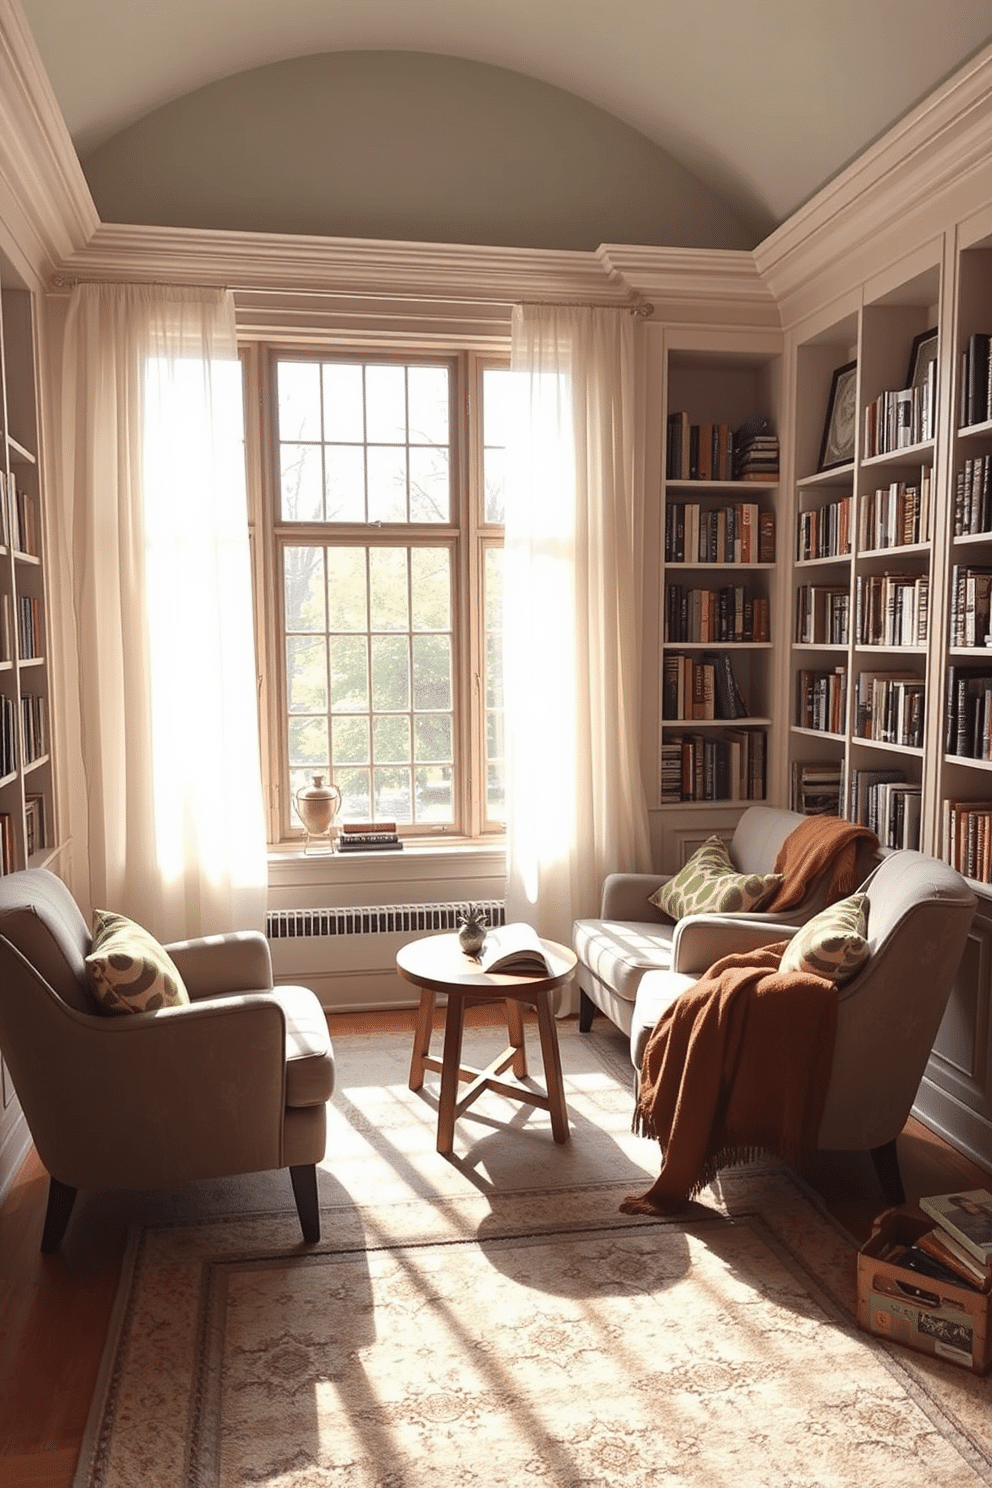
(18, 517)
(28, 626)
(816, 787)
(821, 699)
(34, 822)
(823, 613)
(700, 689)
(34, 726)
(825, 531)
(369, 837)
(729, 766)
(970, 605)
(738, 532)
(896, 515)
(900, 418)
(712, 616)
(7, 862)
(966, 831)
(892, 609)
(887, 803)
(890, 708)
(976, 384)
(968, 714)
(8, 735)
(973, 496)
(702, 451)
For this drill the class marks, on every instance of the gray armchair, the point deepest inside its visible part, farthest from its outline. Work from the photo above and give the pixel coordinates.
(919, 914)
(234, 1082)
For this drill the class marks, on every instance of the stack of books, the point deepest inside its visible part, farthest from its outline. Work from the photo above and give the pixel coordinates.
(755, 451)
(369, 837)
(961, 1242)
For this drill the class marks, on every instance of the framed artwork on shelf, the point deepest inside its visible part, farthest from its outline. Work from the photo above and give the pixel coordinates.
(924, 352)
(837, 446)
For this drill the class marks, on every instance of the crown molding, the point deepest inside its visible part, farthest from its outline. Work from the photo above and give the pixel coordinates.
(45, 203)
(894, 189)
(689, 284)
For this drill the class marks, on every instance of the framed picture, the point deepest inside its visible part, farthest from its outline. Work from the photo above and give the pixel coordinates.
(837, 447)
(924, 352)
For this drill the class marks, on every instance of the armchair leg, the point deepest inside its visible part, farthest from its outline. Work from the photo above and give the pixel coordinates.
(886, 1161)
(587, 1011)
(60, 1201)
(305, 1192)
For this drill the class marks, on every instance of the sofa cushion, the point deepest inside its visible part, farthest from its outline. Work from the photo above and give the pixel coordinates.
(618, 953)
(710, 884)
(833, 943)
(128, 971)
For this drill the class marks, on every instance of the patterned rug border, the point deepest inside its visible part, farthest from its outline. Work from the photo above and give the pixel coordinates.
(921, 1377)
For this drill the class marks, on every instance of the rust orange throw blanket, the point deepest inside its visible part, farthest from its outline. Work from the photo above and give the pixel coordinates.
(738, 1065)
(818, 845)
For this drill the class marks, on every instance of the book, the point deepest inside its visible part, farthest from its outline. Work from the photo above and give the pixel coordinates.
(515, 949)
(945, 1249)
(967, 1218)
(361, 828)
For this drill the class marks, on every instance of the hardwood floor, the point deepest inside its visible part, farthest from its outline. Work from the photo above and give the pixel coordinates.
(54, 1310)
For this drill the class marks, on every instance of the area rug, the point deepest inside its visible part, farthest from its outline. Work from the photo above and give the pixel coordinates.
(492, 1320)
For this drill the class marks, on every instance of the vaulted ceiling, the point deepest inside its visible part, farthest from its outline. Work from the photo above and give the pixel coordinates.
(762, 100)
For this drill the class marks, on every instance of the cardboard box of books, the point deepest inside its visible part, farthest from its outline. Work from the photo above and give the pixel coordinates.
(908, 1296)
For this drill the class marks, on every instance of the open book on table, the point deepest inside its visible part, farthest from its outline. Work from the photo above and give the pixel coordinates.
(516, 949)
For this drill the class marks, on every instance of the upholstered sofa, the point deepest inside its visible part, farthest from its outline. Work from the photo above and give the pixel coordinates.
(632, 937)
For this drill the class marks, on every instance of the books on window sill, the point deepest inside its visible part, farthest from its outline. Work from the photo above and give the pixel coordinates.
(966, 1217)
(369, 837)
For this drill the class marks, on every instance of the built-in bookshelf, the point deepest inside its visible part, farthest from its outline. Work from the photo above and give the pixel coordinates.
(862, 566)
(27, 782)
(719, 535)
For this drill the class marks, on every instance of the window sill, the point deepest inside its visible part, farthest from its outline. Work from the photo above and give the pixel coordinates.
(448, 869)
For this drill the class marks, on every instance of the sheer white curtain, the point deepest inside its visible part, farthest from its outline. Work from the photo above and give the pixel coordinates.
(165, 793)
(572, 615)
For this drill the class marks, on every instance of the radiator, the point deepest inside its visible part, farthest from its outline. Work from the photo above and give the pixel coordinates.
(385, 919)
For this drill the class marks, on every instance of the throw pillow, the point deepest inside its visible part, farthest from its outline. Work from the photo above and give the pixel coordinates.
(710, 884)
(128, 971)
(833, 943)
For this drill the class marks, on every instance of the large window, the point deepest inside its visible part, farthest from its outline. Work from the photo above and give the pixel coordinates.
(385, 556)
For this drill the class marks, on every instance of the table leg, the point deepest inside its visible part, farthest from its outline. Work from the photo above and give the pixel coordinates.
(451, 1060)
(553, 1078)
(422, 1038)
(515, 1031)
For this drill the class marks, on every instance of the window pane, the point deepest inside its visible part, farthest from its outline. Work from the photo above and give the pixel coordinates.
(390, 674)
(432, 680)
(389, 586)
(385, 405)
(391, 740)
(494, 472)
(299, 400)
(492, 691)
(356, 795)
(435, 795)
(349, 674)
(301, 483)
(430, 495)
(430, 570)
(387, 484)
(303, 588)
(350, 740)
(432, 734)
(347, 598)
(344, 480)
(497, 392)
(344, 409)
(308, 742)
(429, 401)
(306, 675)
(393, 795)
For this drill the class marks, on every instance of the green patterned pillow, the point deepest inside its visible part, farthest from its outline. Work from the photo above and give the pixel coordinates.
(710, 884)
(833, 943)
(128, 971)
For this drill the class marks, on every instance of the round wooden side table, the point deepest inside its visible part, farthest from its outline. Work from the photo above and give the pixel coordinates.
(437, 964)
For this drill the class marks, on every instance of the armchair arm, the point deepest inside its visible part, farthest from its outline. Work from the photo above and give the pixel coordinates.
(626, 895)
(216, 964)
(700, 940)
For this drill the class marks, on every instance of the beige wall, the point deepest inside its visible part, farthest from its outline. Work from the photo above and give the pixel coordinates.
(404, 146)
